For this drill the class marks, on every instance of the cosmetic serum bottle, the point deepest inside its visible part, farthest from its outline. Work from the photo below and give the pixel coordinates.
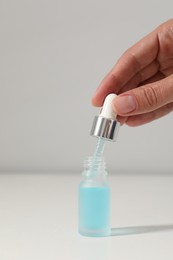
(94, 189)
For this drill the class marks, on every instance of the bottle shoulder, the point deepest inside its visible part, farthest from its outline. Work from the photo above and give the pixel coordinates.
(94, 182)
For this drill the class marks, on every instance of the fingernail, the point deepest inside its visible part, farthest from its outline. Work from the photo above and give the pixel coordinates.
(124, 104)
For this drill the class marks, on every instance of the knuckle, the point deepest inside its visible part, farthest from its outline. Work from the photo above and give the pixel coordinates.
(151, 97)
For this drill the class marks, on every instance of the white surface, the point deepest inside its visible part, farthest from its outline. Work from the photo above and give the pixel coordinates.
(53, 54)
(38, 218)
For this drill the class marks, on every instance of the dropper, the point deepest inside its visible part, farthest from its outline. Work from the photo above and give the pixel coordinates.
(105, 127)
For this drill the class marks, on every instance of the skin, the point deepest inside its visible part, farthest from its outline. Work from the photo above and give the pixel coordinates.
(142, 76)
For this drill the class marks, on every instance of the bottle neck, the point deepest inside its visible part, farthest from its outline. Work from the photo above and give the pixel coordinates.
(95, 167)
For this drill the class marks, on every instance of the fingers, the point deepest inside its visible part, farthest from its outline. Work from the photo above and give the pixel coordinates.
(158, 76)
(146, 74)
(134, 60)
(138, 120)
(145, 99)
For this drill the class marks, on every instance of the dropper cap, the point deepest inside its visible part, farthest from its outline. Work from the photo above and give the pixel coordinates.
(106, 125)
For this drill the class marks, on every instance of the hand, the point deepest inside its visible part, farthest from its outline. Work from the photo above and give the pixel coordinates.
(143, 79)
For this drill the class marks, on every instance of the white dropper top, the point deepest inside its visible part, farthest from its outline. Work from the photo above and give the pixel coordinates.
(107, 110)
(106, 125)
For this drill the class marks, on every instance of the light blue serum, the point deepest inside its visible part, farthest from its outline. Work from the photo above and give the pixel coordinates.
(94, 196)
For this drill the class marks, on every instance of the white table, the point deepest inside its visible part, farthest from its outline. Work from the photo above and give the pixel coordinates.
(38, 218)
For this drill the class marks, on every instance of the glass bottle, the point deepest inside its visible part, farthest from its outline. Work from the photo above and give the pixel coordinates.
(94, 199)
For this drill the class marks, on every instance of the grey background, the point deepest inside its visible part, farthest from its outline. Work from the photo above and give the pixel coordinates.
(53, 54)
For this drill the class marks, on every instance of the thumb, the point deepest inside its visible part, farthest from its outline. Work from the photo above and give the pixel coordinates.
(144, 99)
